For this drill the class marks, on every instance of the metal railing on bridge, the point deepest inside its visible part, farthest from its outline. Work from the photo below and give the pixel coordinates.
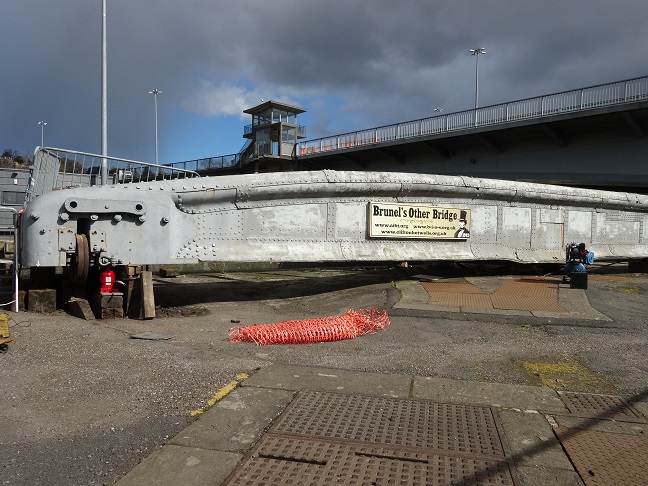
(592, 97)
(55, 168)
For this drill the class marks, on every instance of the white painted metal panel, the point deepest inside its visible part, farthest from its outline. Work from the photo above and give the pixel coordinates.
(515, 228)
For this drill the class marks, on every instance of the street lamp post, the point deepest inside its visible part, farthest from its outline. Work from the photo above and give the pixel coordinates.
(156, 92)
(42, 125)
(476, 53)
(104, 97)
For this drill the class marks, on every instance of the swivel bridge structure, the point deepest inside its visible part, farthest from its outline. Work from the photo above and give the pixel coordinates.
(423, 193)
(157, 215)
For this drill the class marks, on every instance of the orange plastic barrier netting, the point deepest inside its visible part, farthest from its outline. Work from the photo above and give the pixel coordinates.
(347, 326)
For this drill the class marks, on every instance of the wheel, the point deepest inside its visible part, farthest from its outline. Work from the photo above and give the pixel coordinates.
(81, 261)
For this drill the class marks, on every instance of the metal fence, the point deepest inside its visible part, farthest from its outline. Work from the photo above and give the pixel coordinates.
(628, 91)
(55, 168)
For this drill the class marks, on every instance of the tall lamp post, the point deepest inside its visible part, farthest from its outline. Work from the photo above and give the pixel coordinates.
(42, 125)
(104, 98)
(476, 53)
(155, 93)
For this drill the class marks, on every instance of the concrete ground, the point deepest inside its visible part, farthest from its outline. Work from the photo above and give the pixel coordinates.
(85, 403)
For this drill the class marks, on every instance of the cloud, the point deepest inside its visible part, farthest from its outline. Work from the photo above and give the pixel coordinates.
(355, 63)
(213, 100)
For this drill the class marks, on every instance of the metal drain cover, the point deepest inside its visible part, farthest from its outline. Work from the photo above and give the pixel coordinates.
(286, 460)
(603, 459)
(328, 438)
(604, 407)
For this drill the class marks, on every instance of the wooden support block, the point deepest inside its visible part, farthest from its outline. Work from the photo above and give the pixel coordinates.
(80, 308)
(112, 313)
(168, 272)
(148, 299)
(132, 300)
(132, 271)
(112, 300)
(41, 300)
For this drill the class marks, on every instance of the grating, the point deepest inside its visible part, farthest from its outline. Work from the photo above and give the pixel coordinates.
(539, 289)
(604, 407)
(295, 461)
(397, 422)
(450, 299)
(525, 302)
(604, 459)
(513, 294)
(459, 287)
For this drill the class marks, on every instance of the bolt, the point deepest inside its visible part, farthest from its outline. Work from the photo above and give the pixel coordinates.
(64, 216)
(165, 219)
(35, 215)
(142, 218)
(94, 217)
(117, 217)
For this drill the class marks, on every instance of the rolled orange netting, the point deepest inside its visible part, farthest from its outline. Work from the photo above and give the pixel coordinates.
(349, 325)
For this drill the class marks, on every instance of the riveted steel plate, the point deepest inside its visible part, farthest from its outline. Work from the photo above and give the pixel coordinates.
(289, 460)
(397, 422)
(604, 407)
(604, 459)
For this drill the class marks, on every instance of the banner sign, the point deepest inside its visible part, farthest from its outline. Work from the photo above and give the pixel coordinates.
(388, 220)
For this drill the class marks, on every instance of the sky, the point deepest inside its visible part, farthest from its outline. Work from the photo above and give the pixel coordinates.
(351, 64)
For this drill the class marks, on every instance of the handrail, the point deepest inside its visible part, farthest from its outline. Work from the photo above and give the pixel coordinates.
(597, 96)
(55, 168)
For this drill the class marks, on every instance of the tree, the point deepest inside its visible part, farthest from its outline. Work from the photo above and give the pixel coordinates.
(11, 160)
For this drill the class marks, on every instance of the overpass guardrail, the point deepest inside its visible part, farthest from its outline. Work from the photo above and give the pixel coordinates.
(620, 92)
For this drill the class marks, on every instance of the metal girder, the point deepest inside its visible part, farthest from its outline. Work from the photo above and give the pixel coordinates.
(553, 134)
(352, 160)
(326, 216)
(436, 149)
(488, 142)
(391, 155)
(632, 123)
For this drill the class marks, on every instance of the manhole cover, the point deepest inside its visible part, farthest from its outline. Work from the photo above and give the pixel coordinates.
(604, 407)
(287, 460)
(394, 421)
(326, 438)
(604, 459)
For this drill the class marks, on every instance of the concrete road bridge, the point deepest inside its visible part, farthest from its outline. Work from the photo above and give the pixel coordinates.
(587, 137)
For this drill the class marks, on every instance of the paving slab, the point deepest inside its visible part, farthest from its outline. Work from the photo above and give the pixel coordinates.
(522, 397)
(173, 465)
(531, 440)
(610, 426)
(547, 476)
(342, 381)
(237, 421)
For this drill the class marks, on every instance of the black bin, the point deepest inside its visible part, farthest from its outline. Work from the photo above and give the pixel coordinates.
(578, 280)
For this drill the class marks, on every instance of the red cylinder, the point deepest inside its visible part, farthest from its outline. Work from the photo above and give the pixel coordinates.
(106, 281)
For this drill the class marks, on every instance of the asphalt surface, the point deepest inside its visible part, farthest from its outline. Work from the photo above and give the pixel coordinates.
(84, 403)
